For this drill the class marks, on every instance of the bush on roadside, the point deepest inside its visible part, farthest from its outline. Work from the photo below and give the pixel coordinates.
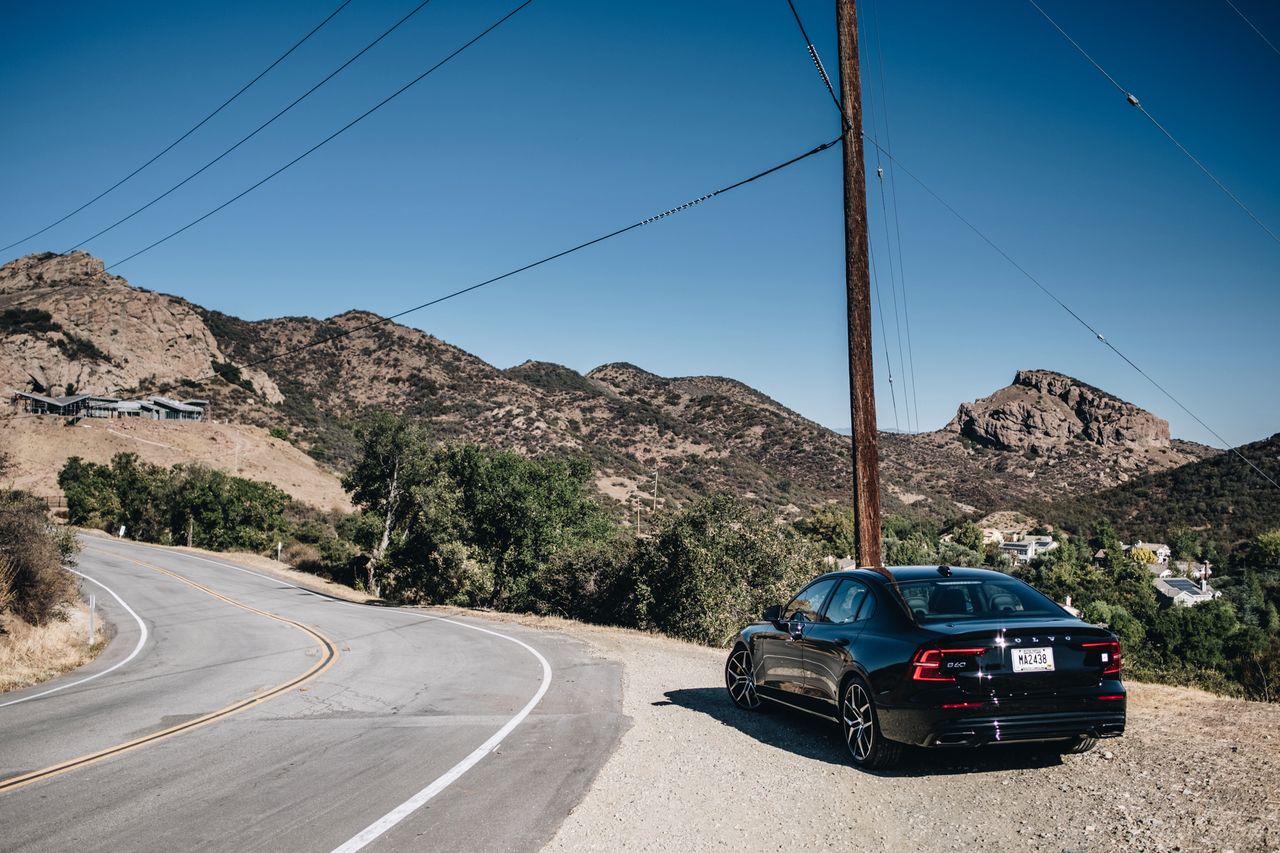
(34, 582)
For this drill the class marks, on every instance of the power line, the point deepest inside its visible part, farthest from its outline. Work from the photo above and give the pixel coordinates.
(1133, 100)
(334, 73)
(817, 63)
(650, 220)
(897, 223)
(328, 138)
(193, 129)
(893, 287)
(1226, 445)
(1236, 9)
(884, 337)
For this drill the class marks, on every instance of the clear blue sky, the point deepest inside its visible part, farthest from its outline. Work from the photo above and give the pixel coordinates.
(579, 117)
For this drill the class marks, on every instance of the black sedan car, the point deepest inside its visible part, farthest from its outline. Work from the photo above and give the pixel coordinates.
(936, 657)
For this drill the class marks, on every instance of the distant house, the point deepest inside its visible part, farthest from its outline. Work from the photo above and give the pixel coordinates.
(1181, 592)
(1162, 551)
(173, 410)
(94, 406)
(992, 536)
(1100, 558)
(1192, 569)
(1028, 548)
(1160, 571)
(27, 402)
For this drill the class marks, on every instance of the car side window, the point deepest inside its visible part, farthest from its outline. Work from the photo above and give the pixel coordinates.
(847, 603)
(807, 606)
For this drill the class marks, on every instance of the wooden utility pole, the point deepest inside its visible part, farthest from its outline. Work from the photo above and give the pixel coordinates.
(857, 271)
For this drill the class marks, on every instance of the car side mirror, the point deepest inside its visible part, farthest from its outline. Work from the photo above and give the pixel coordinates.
(773, 613)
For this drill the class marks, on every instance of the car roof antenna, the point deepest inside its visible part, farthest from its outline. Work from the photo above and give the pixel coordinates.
(945, 571)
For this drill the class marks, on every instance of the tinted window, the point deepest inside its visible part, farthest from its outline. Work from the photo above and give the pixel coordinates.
(847, 602)
(953, 599)
(808, 604)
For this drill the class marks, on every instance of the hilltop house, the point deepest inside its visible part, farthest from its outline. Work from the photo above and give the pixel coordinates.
(1181, 592)
(93, 406)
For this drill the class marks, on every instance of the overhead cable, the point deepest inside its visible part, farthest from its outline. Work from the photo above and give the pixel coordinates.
(328, 138)
(334, 73)
(897, 223)
(1133, 101)
(579, 247)
(1101, 339)
(1236, 9)
(192, 130)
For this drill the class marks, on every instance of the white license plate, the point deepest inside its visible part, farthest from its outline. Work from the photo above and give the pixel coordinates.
(1033, 660)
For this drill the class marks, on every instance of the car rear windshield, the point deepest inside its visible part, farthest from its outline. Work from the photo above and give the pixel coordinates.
(953, 599)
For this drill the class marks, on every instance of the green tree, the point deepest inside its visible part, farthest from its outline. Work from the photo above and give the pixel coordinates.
(832, 527)
(393, 451)
(714, 567)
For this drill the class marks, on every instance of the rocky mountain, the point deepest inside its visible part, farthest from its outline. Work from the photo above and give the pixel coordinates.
(65, 322)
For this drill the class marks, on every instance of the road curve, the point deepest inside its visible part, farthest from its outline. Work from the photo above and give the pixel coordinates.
(259, 716)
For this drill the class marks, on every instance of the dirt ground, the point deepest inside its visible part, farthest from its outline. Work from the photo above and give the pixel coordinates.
(39, 447)
(1193, 772)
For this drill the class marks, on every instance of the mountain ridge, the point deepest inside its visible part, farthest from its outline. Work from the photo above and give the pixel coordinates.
(1044, 436)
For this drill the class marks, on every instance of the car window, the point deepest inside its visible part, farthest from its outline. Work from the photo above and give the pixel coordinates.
(954, 599)
(807, 605)
(847, 602)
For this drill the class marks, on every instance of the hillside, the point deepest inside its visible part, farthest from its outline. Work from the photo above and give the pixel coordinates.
(38, 448)
(1222, 498)
(64, 322)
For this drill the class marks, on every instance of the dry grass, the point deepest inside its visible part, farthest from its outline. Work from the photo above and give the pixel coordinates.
(30, 654)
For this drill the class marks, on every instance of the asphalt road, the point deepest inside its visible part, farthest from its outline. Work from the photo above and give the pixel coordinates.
(297, 722)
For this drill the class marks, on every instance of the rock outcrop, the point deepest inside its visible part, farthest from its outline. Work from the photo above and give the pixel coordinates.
(68, 325)
(1044, 411)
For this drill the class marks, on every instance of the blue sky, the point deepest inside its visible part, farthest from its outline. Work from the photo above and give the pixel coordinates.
(576, 118)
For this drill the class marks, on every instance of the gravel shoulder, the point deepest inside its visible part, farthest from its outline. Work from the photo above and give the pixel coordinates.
(1193, 772)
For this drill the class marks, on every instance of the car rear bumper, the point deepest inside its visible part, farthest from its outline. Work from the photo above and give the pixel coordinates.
(935, 727)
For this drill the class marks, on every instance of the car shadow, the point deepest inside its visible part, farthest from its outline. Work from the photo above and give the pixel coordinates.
(810, 737)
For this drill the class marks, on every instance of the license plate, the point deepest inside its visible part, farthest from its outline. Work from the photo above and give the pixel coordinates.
(1033, 660)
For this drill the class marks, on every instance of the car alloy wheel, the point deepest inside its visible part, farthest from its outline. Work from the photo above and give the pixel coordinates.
(739, 677)
(859, 722)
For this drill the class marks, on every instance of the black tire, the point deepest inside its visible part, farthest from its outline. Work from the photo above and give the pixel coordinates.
(1079, 745)
(860, 724)
(740, 679)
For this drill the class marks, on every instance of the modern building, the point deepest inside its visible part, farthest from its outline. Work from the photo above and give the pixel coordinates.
(93, 406)
(1183, 592)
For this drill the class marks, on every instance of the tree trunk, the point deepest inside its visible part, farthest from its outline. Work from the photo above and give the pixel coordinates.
(393, 496)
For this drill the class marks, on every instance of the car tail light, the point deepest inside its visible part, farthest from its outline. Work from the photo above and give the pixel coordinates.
(939, 664)
(1110, 651)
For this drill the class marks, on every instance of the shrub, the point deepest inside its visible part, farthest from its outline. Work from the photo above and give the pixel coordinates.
(34, 583)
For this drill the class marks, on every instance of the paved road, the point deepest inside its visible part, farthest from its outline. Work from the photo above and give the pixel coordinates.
(333, 715)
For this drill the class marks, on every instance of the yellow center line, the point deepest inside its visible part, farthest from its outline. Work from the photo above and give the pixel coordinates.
(330, 656)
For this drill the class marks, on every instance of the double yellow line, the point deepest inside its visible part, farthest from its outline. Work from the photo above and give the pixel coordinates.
(330, 655)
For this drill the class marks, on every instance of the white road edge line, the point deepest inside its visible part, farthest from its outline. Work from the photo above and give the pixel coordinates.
(418, 800)
(142, 640)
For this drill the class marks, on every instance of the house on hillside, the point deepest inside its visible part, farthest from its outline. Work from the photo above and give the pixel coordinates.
(95, 406)
(992, 536)
(1028, 548)
(173, 410)
(1160, 571)
(1192, 569)
(1181, 592)
(30, 403)
(1162, 551)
